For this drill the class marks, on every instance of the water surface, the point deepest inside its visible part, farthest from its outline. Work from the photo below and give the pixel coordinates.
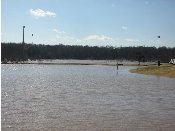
(88, 97)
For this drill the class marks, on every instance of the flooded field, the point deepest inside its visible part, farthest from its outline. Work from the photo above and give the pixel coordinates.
(84, 98)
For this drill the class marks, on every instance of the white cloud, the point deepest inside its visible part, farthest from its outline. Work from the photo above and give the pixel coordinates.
(124, 27)
(67, 39)
(55, 30)
(131, 40)
(41, 13)
(59, 32)
(97, 40)
(98, 37)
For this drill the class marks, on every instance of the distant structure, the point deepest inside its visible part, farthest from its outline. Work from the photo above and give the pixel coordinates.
(158, 62)
(23, 34)
(172, 61)
(23, 43)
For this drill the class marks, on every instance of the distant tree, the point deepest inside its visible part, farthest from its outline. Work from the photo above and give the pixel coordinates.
(14, 52)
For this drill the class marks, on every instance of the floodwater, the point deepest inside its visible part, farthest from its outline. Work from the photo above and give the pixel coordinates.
(84, 98)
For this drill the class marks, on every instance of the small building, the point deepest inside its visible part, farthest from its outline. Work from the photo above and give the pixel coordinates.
(172, 61)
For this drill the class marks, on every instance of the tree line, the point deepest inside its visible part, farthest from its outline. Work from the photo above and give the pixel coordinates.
(21, 52)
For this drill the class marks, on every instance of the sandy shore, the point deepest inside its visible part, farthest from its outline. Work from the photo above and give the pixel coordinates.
(167, 70)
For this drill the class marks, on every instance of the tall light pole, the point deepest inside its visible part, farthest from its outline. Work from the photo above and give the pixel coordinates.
(23, 55)
(159, 56)
(23, 34)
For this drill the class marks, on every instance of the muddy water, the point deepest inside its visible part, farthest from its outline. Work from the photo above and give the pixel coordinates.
(78, 98)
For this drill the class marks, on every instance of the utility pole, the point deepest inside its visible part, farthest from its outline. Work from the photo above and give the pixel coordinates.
(158, 62)
(23, 44)
(23, 34)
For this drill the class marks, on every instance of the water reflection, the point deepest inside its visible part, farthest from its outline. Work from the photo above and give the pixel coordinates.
(42, 97)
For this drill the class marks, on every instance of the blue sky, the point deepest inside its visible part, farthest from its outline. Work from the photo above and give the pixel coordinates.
(89, 22)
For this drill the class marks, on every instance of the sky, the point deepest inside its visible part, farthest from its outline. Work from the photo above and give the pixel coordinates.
(117, 23)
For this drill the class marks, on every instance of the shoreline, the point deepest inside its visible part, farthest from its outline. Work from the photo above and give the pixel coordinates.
(65, 64)
(165, 70)
(85, 62)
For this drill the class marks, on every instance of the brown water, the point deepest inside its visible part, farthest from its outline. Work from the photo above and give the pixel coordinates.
(85, 98)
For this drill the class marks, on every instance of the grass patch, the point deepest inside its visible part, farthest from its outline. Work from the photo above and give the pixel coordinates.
(167, 70)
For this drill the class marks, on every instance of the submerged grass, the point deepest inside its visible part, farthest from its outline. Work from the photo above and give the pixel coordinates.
(167, 70)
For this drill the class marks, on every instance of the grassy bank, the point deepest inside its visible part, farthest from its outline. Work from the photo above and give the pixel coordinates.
(166, 70)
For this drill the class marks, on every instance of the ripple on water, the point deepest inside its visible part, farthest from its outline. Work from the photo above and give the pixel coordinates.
(52, 97)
